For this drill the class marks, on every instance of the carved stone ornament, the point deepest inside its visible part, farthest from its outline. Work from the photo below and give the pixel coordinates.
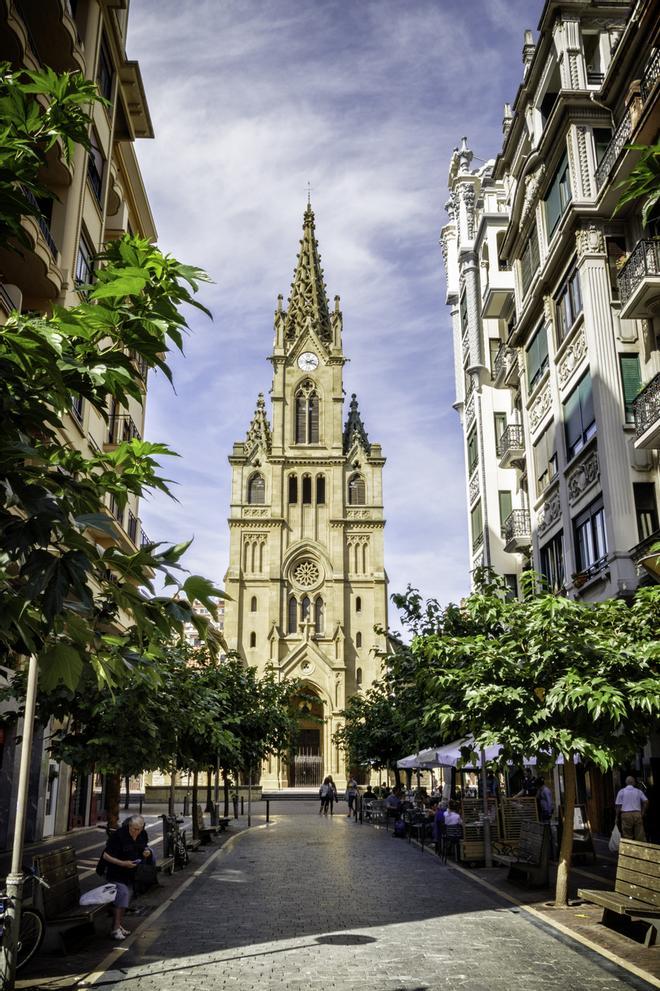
(252, 512)
(474, 485)
(583, 476)
(306, 574)
(357, 514)
(468, 199)
(532, 183)
(540, 407)
(469, 410)
(479, 560)
(549, 512)
(572, 357)
(590, 241)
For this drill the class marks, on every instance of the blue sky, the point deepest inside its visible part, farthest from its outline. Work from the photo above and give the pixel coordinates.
(250, 101)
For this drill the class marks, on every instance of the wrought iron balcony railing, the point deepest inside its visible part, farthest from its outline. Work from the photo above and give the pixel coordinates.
(133, 526)
(43, 223)
(503, 360)
(620, 137)
(512, 439)
(650, 76)
(122, 428)
(517, 527)
(646, 406)
(144, 539)
(644, 261)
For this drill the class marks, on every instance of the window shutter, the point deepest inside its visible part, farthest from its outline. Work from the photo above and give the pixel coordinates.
(293, 488)
(586, 404)
(572, 421)
(307, 489)
(320, 490)
(506, 505)
(631, 381)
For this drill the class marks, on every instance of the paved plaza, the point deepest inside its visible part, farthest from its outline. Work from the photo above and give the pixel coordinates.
(311, 902)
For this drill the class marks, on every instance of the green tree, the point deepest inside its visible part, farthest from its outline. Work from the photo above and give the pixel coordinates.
(544, 675)
(643, 183)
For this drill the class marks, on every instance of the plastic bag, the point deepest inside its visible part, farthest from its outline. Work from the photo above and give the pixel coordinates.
(102, 895)
(615, 839)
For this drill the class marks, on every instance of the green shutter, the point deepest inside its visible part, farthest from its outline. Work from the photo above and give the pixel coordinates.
(631, 381)
(506, 505)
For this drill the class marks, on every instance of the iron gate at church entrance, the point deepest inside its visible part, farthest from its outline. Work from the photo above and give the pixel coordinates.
(306, 766)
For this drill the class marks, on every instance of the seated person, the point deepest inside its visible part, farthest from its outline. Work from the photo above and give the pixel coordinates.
(393, 805)
(452, 817)
(368, 795)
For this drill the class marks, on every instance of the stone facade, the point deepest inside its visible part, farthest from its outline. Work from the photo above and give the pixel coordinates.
(306, 577)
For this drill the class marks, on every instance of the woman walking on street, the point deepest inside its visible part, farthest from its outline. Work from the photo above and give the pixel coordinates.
(328, 795)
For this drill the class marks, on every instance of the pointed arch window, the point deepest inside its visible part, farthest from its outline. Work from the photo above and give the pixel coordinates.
(358, 677)
(253, 640)
(358, 639)
(307, 490)
(357, 491)
(305, 608)
(358, 604)
(293, 488)
(320, 490)
(253, 604)
(307, 414)
(293, 615)
(319, 615)
(257, 490)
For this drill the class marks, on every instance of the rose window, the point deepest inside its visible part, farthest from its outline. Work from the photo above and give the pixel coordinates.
(306, 574)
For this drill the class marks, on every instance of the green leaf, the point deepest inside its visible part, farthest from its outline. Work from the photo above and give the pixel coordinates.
(60, 663)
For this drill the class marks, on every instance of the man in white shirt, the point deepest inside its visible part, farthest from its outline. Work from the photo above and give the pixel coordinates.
(630, 806)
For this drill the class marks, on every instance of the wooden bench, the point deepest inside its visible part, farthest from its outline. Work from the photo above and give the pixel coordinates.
(60, 901)
(204, 830)
(531, 856)
(636, 894)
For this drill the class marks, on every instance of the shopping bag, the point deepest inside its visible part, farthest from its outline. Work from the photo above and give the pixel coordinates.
(102, 895)
(615, 839)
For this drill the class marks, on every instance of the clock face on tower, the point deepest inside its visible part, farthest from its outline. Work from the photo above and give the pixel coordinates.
(307, 361)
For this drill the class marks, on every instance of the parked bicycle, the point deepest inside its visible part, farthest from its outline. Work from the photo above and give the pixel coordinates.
(175, 840)
(32, 926)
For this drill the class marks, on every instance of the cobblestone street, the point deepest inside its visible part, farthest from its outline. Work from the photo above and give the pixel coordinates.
(309, 902)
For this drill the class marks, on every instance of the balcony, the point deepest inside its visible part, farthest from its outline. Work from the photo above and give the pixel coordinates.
(495, 299)
(511, 446)
(144, 539)
(639, 281)
(646, 555)
(646, 407)
(52, 34)
(517, 531)
(650, 76)
(620, 138)
(504, 359)
(121, 429)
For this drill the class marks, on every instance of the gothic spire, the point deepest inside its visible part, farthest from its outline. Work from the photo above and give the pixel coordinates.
(308, 304)
(354, 429)
(259, 430)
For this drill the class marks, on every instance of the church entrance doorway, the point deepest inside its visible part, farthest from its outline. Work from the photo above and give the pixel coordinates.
(306, 757)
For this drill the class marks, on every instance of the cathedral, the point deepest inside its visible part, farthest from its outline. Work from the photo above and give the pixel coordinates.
(306, 576)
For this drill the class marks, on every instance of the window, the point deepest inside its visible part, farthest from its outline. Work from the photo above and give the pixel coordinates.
(500, 427)
(253, 604)
(493, 348)
(472, 451)
(319, 615)
(357, 495)
(464, 314)
(529, 260)
(579, 418)
(616, 252)
(104, 72)
(506, 505)
(590, 539)
(631, 382)
(358, 677)
(569, 305)
(358, 639)
(307, 490)
(477, 526)
(253, 640)
(305, 608)
(558, 196)
(307, 415)
(552, 562)
(292, 622)
(602, 138)
(545, 458)
(77, 403)
(257, 490)
(293, 488)
(320, 490)
(95, 166)
(512, 587)
(537, 357)
(84, 262)
(646, 509)
(358, 604)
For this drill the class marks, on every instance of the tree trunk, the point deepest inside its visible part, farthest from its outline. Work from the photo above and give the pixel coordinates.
(225, 788)
(193, 811)
(209, 789)
(127, 797)
(112, 797)
(397, 777)
(566, 849)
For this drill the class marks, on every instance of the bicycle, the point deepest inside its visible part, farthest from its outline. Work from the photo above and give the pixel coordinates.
(32, 928)
(176, 840)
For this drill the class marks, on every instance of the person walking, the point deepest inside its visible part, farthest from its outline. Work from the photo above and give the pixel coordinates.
(630, 804)
(544, 800)
(328, 795)
(352, 796)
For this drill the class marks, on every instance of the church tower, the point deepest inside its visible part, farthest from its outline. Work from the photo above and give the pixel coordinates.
(306, 574)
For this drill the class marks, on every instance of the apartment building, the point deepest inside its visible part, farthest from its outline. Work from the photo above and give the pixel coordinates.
(98, 196)
(555, 302)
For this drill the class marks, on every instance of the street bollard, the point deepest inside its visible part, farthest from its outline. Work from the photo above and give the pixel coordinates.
(141, 800)
(267, 810)
(242, 805)
(235, 804)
